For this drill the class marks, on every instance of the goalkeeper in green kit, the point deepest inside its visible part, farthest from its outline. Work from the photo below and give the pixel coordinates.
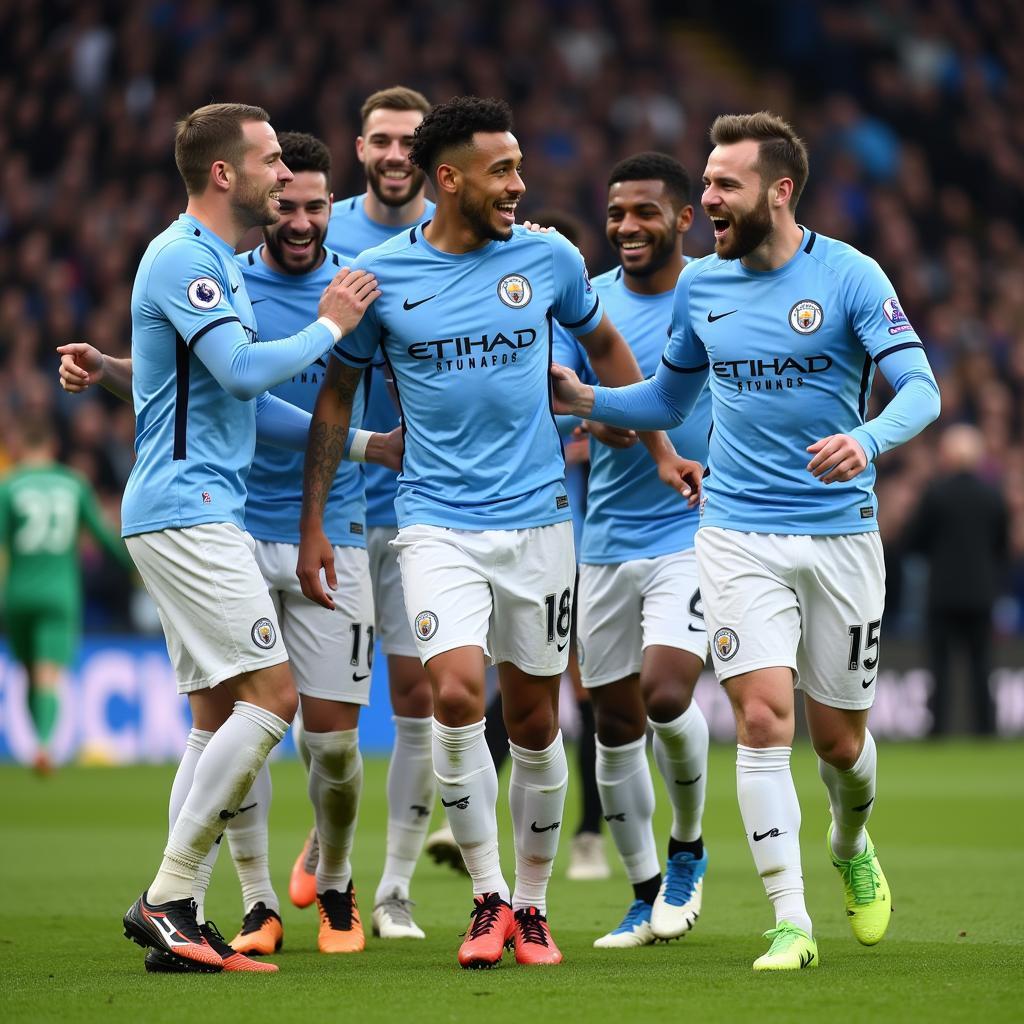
(43, 506)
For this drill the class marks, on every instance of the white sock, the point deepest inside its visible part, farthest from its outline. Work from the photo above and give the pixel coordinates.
(335, 783)
(771, 816)
(681, 753)
(468, 785)
(194, 746)
(536, 797)
(411, 792)
(224, 773)
(627, 799)
(299, 738)
(247, 834)
(851, 794)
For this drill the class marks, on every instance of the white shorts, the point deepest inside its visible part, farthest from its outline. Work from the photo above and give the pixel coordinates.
(392, 624)
(509, 592)
(217, 616)
(626, 607)
(813, 604)
(331, 651)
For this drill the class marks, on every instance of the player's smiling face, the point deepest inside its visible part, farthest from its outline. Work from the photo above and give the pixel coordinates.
(489, 185)
(383, 150)
(642, 225)
(261, 178)
(296, 241)
(736, 199)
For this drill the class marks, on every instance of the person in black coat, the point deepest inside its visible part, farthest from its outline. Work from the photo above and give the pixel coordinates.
(961, 528)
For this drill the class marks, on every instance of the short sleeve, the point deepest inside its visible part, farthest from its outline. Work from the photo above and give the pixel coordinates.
(189, 285)
(685, 352)
(358, 347)
(576, 304)
(874, 311)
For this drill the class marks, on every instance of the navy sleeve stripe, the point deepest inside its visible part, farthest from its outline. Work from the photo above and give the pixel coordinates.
(587, 318)
(685, 369)
(897, 348)
(338, 350)
(210, 326)
(181, 371)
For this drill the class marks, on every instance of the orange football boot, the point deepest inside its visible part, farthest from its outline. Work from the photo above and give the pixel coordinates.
(262, 932)
(490, 929)
(233, 960)
(532, 938)
(302, 884)
(341, 931)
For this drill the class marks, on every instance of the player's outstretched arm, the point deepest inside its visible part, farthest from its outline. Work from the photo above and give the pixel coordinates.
(245, 370)
(328, 433)
(915, 404)
(82, 365)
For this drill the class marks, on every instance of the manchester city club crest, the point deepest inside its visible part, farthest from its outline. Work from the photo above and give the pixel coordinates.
(204, 293)
(806, 316)
(726, 643)
(263, 633)
(514, 290)
(426, 625)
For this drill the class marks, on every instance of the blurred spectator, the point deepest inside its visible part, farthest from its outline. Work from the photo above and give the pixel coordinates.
(960, 527)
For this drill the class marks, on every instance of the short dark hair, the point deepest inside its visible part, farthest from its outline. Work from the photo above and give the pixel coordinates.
(781, 152)
(565, 224)
(655, 167)
(454, 123)
(302, 152)
(208, 134)
(398, 97)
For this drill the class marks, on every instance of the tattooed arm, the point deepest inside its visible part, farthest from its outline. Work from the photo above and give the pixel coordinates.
(328, 432)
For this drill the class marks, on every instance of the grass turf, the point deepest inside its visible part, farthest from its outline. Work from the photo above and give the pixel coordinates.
(77, 848)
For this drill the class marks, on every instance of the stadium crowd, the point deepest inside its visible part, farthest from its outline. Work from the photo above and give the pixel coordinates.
(912, 113)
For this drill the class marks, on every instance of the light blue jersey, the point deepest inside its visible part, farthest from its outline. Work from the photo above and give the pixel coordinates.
(349, 233)
(631, 514)
(468, 338)
(194, 442)
(792, 354)
(283, 303)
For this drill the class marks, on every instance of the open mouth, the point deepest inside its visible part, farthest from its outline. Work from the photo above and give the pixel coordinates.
(507, 210)
(396, 175)
(300, 245)
(634, 246)
(721, 226)
(275, 197)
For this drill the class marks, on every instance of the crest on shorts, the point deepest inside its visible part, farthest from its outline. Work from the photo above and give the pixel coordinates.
(727, 643)
(204, 293)
(263, 633)
(806, 316)
(426, 625)
(514, 290)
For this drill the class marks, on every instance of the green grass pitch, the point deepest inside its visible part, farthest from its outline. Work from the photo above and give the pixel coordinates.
(76, 849)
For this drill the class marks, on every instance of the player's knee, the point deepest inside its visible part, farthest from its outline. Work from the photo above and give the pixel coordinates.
(534, 728)
(840, 751)
(415, 702)
(761, 725)
(285, 701)
(617, 726)
(454, 702)
(666, 700)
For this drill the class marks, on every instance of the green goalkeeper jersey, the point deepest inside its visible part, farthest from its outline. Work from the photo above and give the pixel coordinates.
(42, 509)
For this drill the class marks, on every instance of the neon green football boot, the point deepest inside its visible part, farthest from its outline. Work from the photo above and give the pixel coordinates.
(868, 901)
(792, 949)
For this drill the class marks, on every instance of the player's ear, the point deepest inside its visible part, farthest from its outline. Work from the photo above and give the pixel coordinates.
(783, 191)
(448, 178)
(360, 148)
(221, 174)
(684, 218)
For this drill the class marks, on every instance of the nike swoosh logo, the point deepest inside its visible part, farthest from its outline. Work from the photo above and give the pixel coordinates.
(419, 302)
(561, 647)
(712, 317)
(688, 782)
(247, 807)
(695, 629)
(357, 678)
(864, 807)
(234, 288)
(462, 802)
(615, 817)
(546, 828)
(867, 682)
(773, 832)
